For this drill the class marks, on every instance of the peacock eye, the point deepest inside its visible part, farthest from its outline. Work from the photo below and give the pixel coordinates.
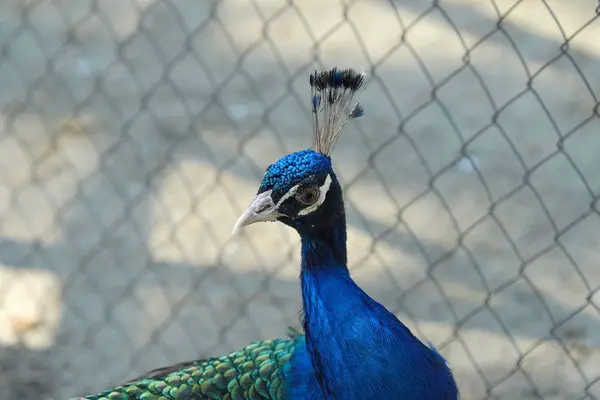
(309, 196)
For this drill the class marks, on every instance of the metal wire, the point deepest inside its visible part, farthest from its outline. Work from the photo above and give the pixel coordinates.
(134, 132)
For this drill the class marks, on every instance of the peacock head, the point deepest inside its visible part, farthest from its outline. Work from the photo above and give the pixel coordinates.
(301, 189)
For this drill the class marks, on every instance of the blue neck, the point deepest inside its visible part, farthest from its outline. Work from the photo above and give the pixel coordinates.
(358, 349)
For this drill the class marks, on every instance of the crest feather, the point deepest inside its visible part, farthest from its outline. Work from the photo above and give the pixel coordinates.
(332, 97)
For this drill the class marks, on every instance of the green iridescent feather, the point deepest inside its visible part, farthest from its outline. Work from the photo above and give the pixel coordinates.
(253, 372)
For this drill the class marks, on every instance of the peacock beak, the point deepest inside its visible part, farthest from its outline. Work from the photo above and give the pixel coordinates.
(261, 209)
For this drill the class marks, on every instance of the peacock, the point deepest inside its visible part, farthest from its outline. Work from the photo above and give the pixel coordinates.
(352, 346)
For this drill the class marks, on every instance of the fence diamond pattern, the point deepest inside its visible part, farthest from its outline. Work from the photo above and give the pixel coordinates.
(132, 133)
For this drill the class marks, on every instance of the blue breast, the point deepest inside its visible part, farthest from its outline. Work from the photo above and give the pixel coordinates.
(356, 349)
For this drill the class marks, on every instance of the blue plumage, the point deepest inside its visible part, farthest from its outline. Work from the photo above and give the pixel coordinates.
(353, 348)
(293, 168)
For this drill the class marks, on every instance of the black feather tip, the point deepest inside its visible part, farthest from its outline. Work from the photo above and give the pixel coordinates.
(357, 111)
(347, 79)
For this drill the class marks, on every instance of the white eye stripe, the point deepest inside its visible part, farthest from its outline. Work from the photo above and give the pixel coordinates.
(286, 196)
(322, 195)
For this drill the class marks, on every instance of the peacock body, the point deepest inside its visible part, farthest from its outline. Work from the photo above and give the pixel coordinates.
(352, 348)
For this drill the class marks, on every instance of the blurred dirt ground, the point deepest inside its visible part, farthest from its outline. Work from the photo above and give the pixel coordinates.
(132, 134)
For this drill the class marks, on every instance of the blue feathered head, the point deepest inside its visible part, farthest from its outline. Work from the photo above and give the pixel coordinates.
(301, 188)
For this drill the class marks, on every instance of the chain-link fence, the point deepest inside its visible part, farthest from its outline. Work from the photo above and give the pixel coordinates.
(133, 133)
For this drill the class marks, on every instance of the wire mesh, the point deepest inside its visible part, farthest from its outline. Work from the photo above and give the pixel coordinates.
(134, 132)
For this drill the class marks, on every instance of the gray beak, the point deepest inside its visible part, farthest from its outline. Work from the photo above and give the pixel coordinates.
(261, 209)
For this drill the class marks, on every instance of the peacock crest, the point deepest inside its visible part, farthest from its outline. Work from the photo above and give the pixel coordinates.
(332, 105)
